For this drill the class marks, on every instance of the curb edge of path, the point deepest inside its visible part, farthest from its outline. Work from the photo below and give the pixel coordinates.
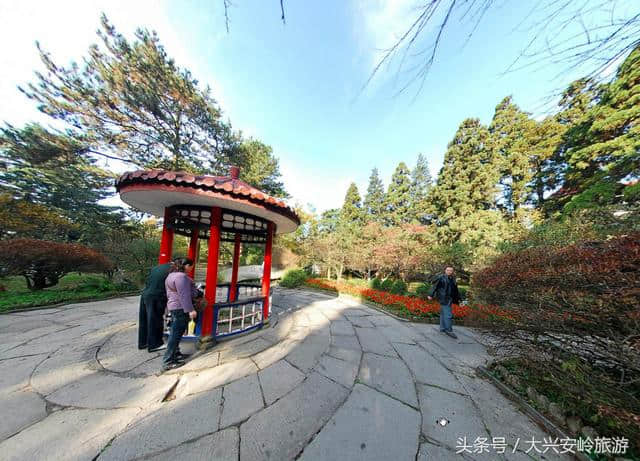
(66, 303)
(534, 414)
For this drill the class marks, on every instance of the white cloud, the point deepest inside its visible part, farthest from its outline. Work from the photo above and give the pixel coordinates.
(318, 189)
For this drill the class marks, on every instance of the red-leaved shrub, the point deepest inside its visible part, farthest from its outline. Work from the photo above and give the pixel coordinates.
(42, 263)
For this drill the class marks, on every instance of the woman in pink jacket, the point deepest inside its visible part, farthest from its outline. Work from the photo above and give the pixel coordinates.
(180, 292)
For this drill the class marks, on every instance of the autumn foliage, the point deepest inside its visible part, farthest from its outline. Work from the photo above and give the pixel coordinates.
(582, 299)
(42, 263)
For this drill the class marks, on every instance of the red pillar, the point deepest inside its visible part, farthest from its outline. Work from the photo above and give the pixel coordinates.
(234, 269)
(192, 254)
(212, 270)
(166, 243)
(266, 272)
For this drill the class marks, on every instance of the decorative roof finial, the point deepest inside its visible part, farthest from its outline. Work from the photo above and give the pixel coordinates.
(235, 172)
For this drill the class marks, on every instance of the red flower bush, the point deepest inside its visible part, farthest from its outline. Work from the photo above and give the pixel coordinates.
(413, 305)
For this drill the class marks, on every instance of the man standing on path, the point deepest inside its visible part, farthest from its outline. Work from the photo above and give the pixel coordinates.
(445, 289)
(153, 303)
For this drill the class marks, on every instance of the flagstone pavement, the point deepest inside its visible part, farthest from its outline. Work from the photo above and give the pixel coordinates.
(329, 379)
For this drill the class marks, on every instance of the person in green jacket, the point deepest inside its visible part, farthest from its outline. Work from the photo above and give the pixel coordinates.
(153, 303)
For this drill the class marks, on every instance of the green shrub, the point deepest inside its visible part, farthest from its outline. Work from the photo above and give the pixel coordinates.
(423, 290)
(463, 292)
(99, 284)
(386, 285)
(293, 278)
(399, 287)
(375, 283)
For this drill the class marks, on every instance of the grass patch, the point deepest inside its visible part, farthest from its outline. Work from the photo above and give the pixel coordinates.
(72, 287)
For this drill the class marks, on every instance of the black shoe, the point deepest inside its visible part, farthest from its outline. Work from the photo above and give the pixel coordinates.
(172, 366)
(181, 356)
(161, 347)
(452, 334)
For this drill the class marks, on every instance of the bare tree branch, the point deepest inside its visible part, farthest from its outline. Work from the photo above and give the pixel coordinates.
(227, 4)
(562, 32)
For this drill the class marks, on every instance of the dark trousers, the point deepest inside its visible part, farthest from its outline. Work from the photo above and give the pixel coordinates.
(179, 321)
(150, 325)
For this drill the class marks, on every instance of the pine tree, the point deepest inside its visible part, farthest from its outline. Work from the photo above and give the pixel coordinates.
(510, 139)
(373, 205)
(604, 144)
(468, 180)
(351, 212)
(48, 169)
(129, 100)
(398, 197)
(421, 183)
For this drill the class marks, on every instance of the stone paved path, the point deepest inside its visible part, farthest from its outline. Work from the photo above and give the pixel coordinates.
(330, 379)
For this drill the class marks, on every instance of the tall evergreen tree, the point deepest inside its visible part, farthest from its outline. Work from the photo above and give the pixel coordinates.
(47, 169)
(374, 200)
(468, 180)
(510, 138)
(131, 101)
(421, 182)
(398, 197)
(604, 144)
(351, 212)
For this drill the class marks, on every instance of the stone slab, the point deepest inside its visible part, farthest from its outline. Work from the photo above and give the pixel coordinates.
(370, 426)
(303, 413)
(275, 353)
(120, 391)
(19, 410)
(205, 361)
(502, 417)
(350, 355)
(67, 435)
(244, 350)
(120, 358)
(389, 375)
(362, 322)
(221, 446)
(15, 373)
(278, 379)
(60, 370)
(381, 320)
(346, 342)
(427, 369)
(337, 370)
(192, 383)
(400, 334)
(241, 399)
(460, 412)
(307, 353)
(342, 327)
(431, 452)
(372, 341)
(177, 421)
(280, 331)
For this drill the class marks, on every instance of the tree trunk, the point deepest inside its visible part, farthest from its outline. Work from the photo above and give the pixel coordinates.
(340, 270)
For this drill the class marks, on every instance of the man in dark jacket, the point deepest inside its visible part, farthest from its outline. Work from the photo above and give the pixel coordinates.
(153, 303)
(445, 290)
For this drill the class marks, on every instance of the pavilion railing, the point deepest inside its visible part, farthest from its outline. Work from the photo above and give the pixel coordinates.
(238, 317)
(231, 318)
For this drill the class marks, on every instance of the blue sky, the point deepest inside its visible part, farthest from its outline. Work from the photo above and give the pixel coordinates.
(298, 87)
